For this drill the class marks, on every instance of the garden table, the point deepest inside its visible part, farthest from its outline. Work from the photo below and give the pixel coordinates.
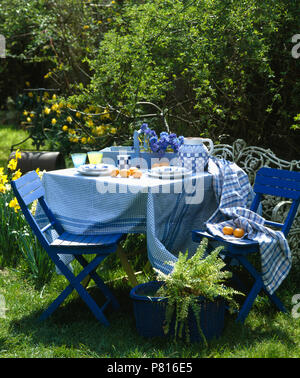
(165, 210)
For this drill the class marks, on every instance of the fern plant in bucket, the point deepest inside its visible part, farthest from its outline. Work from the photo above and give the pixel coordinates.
(193, 280)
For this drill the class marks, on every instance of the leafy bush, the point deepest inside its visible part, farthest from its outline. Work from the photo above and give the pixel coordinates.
(213, 67)
(217, 68)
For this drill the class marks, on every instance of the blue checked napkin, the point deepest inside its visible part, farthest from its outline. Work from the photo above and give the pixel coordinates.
(235, 195)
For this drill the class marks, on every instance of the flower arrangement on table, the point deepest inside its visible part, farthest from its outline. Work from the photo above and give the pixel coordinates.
(166, 142)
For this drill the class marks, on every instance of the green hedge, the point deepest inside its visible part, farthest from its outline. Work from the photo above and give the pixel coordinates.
(218, 68)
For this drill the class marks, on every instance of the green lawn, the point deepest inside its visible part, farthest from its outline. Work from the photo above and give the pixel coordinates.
(72, 331)
(10, 135)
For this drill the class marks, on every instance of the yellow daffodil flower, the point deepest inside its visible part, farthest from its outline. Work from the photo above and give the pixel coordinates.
(83, 140)
(69, 119)
(16, 175)
(28, 119)
(30, 94)
(53, 121)
(12, 164)
(47, 110)
(2, 188)
(25, 113)
(14, 204)
(3, 179)
(65, 128)
(113, 130)
(18, 154)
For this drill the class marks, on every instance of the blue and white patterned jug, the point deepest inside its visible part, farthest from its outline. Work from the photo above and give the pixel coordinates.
(194, 155)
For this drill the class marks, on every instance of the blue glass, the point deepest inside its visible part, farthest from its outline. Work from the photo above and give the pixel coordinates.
(78, 159)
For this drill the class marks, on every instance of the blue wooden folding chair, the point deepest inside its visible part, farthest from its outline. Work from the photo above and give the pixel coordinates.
(275, 182)
(29, 188)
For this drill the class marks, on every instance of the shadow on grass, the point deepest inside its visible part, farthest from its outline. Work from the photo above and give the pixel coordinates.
(73, 331)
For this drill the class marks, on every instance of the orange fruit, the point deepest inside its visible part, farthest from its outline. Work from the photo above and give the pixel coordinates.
(227, 230)
(132, 170)
(114, 173)
(124, 173)
(238, 232)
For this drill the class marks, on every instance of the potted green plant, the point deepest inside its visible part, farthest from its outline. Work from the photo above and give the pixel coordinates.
(188, 303)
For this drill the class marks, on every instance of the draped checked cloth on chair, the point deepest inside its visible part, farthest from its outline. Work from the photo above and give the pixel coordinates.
(235, 196)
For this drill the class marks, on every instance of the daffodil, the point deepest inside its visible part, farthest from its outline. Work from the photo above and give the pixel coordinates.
(69, 119)
(47, 110)
(83, 140)
(12, 164)
(78, 115)
(113, 130)
(14, 204)
(30, 94)
(53, 121)
(28, 119)
(16, 175)
(3, 179)
(65, 128)
(25, 113)
(18, 154)
(85, 27)
(2, 188)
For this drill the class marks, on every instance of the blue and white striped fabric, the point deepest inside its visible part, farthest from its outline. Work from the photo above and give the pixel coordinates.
(231, 185)
(235, 196)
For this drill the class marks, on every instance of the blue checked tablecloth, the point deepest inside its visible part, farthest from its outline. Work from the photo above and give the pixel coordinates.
(235, 195)
(166, 210)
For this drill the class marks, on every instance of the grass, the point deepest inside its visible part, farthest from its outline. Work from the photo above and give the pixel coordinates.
(73, 332)
(10, 135)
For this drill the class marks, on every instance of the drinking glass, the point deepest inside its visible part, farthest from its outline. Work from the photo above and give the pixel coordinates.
(95, 157)
(78, 159)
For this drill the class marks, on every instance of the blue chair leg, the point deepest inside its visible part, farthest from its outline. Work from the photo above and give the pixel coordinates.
(244, 311)
(75, 284)
(101, 285)
(277, 302)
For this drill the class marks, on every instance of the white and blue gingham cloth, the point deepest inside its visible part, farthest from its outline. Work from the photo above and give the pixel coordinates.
(235, 196)
(164, 211)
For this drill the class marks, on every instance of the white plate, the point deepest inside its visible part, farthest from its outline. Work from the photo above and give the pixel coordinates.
(95, 167)
(96, 172)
